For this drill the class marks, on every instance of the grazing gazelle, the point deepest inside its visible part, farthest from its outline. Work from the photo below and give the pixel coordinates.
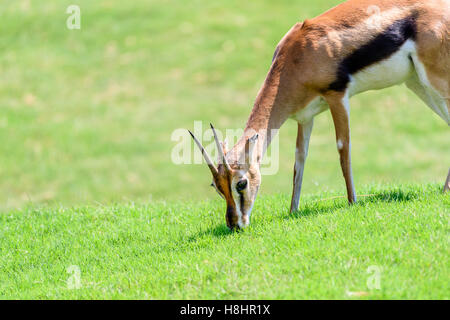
(319, 64)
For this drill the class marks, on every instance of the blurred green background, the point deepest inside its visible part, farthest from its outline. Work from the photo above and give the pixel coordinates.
(87, 115)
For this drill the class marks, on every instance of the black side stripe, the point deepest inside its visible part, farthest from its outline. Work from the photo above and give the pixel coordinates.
(379, 48)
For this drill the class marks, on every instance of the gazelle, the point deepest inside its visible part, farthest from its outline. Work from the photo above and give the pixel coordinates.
(319, 64)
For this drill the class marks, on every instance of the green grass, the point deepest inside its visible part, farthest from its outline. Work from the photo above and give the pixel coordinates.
(185, 251)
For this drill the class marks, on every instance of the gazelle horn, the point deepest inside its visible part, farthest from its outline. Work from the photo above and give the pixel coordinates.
(205, 154)
(220, 150)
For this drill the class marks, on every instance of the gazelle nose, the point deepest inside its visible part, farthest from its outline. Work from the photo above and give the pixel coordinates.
(233, 227)
(231, 218)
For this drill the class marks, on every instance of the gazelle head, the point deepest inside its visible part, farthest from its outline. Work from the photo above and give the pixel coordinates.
(236, 182)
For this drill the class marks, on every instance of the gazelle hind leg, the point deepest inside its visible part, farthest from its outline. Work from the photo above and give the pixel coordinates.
(416, 86)
(301, 151)
(437, 100)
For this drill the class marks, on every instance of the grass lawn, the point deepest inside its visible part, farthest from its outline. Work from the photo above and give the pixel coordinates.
(185, 251)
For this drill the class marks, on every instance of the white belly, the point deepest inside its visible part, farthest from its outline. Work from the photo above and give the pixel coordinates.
(386, 73)
(315, 107)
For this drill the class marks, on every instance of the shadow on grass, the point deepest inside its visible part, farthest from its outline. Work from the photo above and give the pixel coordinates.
(220, 231)
(333, 204)
(312, 208)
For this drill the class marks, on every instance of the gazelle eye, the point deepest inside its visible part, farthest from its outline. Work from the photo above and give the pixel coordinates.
(241, 185)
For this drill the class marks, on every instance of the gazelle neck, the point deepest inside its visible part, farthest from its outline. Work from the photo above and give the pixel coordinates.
(267, 116)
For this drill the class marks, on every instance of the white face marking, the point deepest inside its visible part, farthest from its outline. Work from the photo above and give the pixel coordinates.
(237, 198)
(238, 210)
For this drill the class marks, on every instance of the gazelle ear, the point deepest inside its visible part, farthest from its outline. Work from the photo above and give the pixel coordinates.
(222, 158)
(224, 146)
(249, 148)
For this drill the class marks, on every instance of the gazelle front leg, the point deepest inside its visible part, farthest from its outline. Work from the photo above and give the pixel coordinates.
(340, 111)
(301, 151)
